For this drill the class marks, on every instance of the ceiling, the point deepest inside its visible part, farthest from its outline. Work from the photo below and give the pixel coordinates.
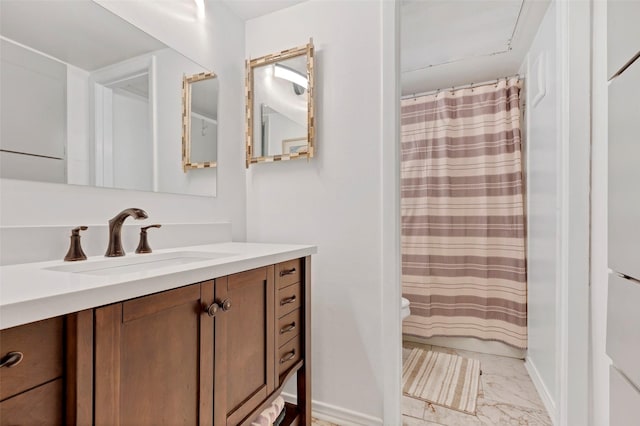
(80, 33)
(438, 32)
(249, 9)
(204, 97)
(444, 43)
(447, 43)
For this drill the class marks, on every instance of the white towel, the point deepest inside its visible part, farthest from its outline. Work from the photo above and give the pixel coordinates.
(270, 414)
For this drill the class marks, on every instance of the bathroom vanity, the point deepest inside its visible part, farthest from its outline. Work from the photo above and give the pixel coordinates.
(203, 335)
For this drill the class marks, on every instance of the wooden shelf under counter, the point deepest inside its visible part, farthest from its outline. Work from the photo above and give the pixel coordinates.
(291, 415)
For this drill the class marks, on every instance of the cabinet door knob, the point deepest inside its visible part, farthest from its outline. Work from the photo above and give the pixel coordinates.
(11, 359)
(226, 305)
(212, 309)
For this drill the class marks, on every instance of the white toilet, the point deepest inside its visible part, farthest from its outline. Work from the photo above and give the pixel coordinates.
(405, 310)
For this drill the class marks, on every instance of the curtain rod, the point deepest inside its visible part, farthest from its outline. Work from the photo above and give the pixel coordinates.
(462, 86)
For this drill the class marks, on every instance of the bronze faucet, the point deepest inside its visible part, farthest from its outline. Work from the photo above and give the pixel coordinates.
(115, 230)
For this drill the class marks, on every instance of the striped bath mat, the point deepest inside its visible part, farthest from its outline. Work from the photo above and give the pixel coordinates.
(444, 379)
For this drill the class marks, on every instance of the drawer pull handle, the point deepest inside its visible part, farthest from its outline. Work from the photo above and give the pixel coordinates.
(287, 272)
(288, 357)
(11, 359)
(288, 328)
(288, 300)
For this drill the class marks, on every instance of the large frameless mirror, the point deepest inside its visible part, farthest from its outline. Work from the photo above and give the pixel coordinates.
(89, 99)
(199, 121)
(280, 113)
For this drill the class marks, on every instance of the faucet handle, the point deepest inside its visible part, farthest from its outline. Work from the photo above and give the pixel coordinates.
(75, 249)
(76, 231)
(143, 246)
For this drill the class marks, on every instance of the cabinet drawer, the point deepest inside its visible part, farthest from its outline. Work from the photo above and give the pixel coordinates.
(40, 406)
(624, 400)
(288, 300)
(288, 273)
(624, 173)
(288, 355)
(41, 344)
(623, 33)
(623, 333)
(288, 327)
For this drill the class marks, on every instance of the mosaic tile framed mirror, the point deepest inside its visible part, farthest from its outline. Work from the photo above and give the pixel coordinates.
(280, 122)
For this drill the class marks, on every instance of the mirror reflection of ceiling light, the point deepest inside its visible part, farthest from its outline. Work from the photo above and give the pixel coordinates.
(290, 74)
(200, 8)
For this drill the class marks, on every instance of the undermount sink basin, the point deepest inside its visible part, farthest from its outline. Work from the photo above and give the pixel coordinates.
(137, 263)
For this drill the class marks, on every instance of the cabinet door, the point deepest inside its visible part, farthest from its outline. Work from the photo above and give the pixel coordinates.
(624, 400)
(623, 333)
(624, 172)
(244, 344)
(153, 359)
(623, 33)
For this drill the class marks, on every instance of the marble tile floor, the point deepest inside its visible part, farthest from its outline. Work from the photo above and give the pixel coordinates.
(507, 396)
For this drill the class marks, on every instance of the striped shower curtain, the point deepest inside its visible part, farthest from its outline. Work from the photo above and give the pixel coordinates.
(463, 236)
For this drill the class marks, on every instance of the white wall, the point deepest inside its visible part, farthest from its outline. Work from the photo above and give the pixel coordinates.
(574, 29)
(34, 91)
(543, 176)
(158, 138)
(33, 99)
(78, 153)
(559, 150)
(204, 138)
(335, 200)
(281, 128)
(600, 362)
(132, 146)
(170, 67)
(217, 44)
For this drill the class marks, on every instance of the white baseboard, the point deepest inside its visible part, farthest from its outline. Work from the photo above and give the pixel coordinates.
(545, 396)
(337, 415)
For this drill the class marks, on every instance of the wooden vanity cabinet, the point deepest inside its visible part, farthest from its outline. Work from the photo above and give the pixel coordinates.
(214, 353)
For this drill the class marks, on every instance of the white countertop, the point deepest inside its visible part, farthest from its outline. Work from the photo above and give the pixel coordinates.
(29, 292)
